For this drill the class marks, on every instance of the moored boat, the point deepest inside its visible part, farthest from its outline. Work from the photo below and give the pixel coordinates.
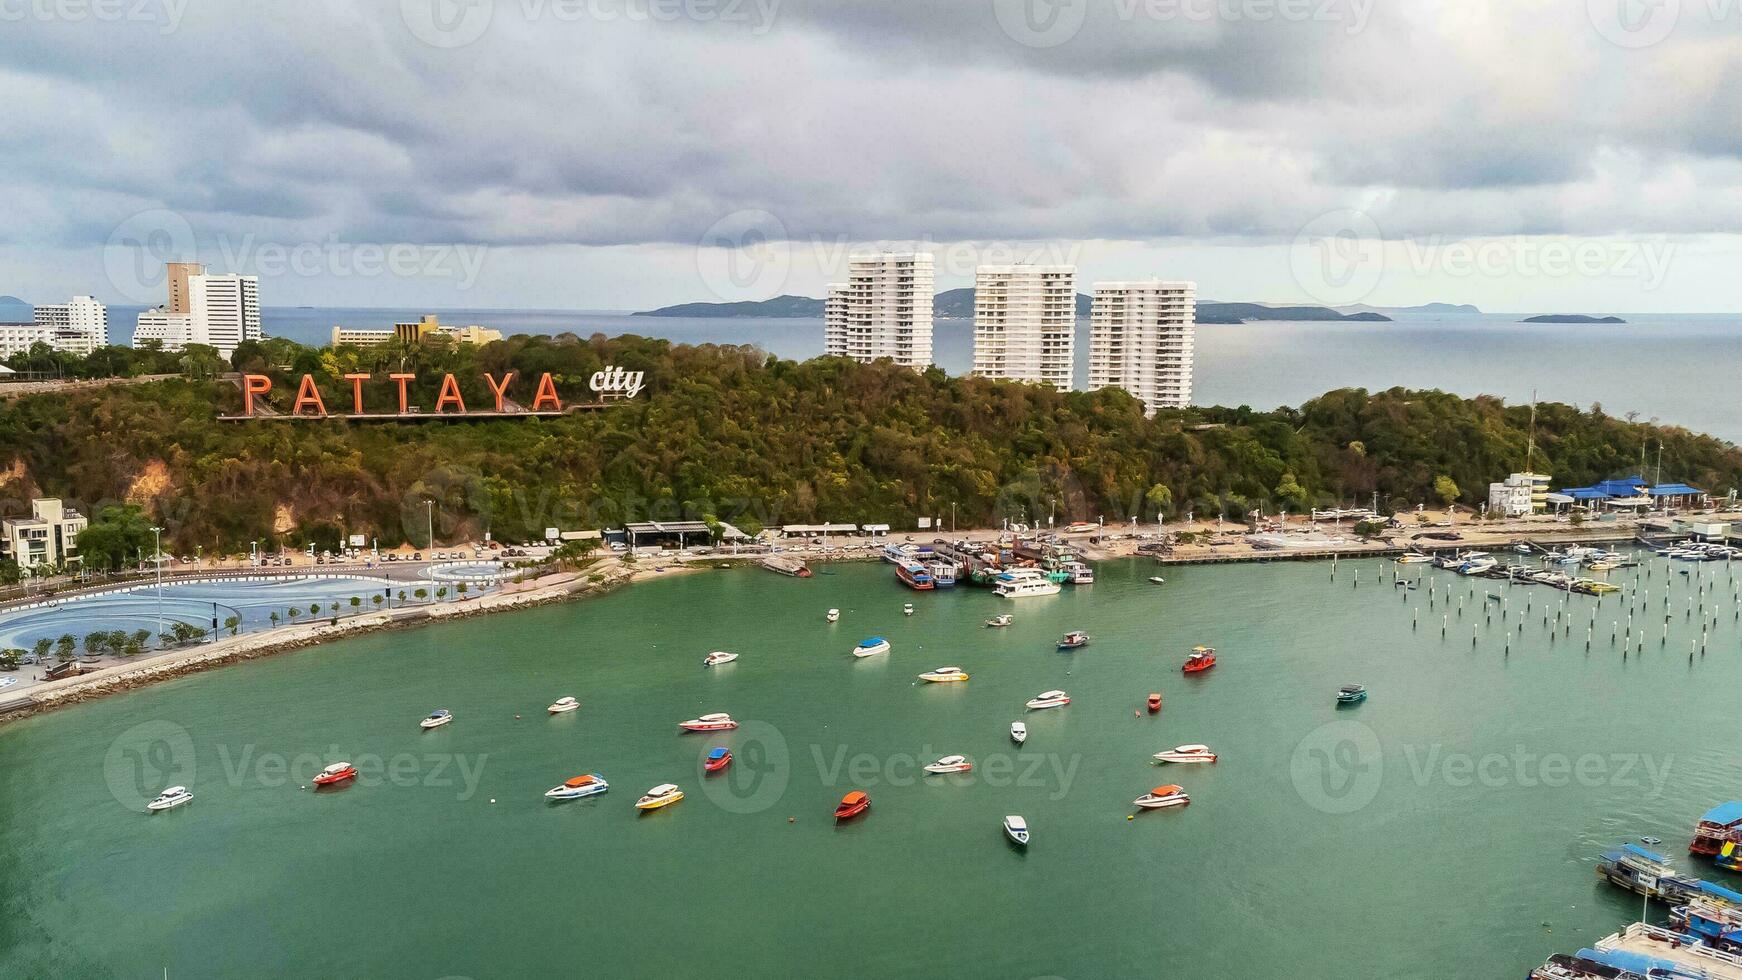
(1016, 829)
(1186, 753)
(338, 772)
(1413, 558)
(663, 795)
(1018, 732)
(1049, 699)
(907, 609)
(578, 787)
(944, 675)
(1720, 825)
(1201, 659)
(1351, 694)
(1157, 580)
(1154, 702)
(718, 758)
(871, 647)
(717, 658)
(852, 805)
(914, 575)
(716, 722)
(1073, 640)
(949, 764)
(1162, 796)
(833, 616)
(997, 622)
(562, 705)
(169, 799)
(1022, 583)
(436, 719)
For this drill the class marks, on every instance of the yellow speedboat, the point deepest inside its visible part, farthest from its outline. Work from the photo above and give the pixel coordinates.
(944, 675)
(665, 794)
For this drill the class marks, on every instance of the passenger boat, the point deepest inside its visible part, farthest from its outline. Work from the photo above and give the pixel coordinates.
(871, 647)
(944, 675)
(1073, 640)
(1023, 583)
(1154, 702)
(1162, 796)
(563, 705)
(338, 772)
(1016, 829)
(579, 786)
(718, 758)
(852, 805)
(1413, 558)
(718, 722)
(717, 658)
(1018, 732)
(1050, 699)
(1080, 574)
(436, 719)
(1202, 659)
(997, 622)
(914, 575)
(897, 554)
(949, 764)
(833, 616)
(1717, 924)
(663, 795)
(943, 573)
(1186, 753)
(169, 799)
(1351, 694)
(1729, 857)
(1720, 825)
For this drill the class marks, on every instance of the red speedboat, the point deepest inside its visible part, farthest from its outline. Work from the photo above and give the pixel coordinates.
(852, 805)
(1202, 659)
(338, 772)
(718, 759)
(1154, 702)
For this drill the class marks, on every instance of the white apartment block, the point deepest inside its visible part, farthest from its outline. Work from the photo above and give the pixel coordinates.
(884, 309)
(49, 536)
(169, 331)
(1025, 319)
(223, 310)
(82, 324)
(1141, 340)
(18, 338)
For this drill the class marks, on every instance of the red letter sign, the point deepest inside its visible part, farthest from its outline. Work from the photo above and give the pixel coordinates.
(403, 380)
(357, 391)
(450, 394)
(308, 394)
(546, 392)
(253, 384)
(500, 388)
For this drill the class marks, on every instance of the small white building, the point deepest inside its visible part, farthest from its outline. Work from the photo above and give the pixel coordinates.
(49, 536)
(80, 326)
(1519, 494)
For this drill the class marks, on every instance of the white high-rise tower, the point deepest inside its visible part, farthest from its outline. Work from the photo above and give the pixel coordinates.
(1141, 340)
(223, 311)
(1025, 319)
(884, 309)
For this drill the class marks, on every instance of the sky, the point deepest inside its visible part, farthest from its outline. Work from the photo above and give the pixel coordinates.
(1521, 155)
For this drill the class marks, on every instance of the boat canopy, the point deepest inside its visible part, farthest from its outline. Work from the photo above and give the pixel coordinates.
(719, 753)
(1724, 814)
(852, 798)
(872, 641)
(663, 789)
(1167, 790)
(580, 781)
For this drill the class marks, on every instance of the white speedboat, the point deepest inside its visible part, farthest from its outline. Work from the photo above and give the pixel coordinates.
(1016, 829)
(950, 763)
(169, 799)
(663, 795)
(1162, 796)
(871, 647)
(833, 616)
(716, 722)
(1022, 583)
(717, 658)
(563, 705)
(436, 719)
(1018, 732)
(1413, 558)
(1157, 579)
(997, 622)
(1187, 753)
(1050, 699)
(944, 675)
(907, 609)
(578, 787)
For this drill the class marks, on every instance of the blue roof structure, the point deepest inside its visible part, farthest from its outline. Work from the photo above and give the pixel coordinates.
(1724, 814)
(1676, 490)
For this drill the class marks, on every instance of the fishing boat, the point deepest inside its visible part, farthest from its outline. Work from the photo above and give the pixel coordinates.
(1721, 825)
(907, 609)
(663, 795)
(718, 722)
(944, 675)
(998, 622)
(1202, 659)
(1157, 579)
(833, 616)
(1351, 694)
(436, 719)
(915, 576)
(169, 799)
(1186, 753)
(579, 786)
(1154, 702)
(1018, 732)
(562, 705)
(871, 647)
(718, 758)
(1016, 829)
(1050, 699)
(852, 805)
(717, 658)
(1162, 796)
(1073, 640)
(338, 772)
(949, 764)
(1024, 583)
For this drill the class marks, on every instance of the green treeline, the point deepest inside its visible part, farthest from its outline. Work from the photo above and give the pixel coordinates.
(731, 433)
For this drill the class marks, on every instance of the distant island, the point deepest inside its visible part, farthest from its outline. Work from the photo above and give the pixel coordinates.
(12, 301)
(1572, 318)
(958, 304)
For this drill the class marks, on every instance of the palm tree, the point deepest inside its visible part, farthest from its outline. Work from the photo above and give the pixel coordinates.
(41, 648)
(274, 617)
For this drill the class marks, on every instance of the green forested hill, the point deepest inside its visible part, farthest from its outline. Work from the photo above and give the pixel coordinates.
(730, 432)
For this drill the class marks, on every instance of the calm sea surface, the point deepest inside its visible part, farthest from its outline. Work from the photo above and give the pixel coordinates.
(1446, 827)
(1667, 367)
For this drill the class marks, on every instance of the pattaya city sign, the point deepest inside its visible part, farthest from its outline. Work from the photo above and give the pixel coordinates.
(613, 384)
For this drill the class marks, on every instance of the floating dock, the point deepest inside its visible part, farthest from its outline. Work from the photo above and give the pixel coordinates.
(1650, 874)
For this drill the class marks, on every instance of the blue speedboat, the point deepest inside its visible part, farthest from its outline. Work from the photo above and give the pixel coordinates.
(871, 647)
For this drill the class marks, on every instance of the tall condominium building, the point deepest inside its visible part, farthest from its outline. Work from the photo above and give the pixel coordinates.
(178, 274)
(78, 327)
(884, 309)
(223, 310)
(1141, 340)
(1025, 319)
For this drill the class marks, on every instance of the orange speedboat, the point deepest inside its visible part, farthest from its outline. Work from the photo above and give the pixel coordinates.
(338, 772)
(1202, 659)
(1154, 702)
(852, 805)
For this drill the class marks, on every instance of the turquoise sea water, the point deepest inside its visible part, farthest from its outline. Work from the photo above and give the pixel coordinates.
(1446, 827)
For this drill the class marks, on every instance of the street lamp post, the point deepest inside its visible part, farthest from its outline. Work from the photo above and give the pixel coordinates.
(157, 559)
(429, 515)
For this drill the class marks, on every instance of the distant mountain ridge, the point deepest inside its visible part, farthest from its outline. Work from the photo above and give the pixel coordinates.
(958, 304)
(1571, 318)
